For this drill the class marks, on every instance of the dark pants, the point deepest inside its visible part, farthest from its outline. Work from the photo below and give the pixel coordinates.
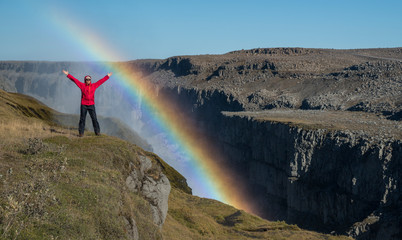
(83, 115)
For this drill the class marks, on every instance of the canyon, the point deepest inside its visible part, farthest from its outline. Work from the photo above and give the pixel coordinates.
(314, 134)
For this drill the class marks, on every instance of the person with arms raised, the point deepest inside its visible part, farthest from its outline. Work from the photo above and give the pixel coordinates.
(88, 101)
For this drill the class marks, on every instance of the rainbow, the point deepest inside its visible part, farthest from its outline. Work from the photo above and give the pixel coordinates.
(216, 179)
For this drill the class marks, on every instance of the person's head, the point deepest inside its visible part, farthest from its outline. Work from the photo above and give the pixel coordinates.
(87, 79)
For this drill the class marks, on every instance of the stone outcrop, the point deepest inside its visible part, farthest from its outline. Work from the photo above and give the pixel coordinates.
(155, 188)
(132, 230)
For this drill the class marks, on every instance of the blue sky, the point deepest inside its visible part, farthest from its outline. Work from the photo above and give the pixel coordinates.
(160, 29)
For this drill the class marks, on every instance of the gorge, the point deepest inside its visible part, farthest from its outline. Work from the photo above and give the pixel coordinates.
(314, 134)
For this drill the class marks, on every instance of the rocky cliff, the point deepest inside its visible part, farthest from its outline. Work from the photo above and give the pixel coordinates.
(336, 168)
(332, 171)
(318, 176)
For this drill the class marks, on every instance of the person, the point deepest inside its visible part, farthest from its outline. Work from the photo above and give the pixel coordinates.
(88, 101)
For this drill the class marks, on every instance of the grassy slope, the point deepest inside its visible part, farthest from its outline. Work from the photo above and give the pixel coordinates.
(54, 185)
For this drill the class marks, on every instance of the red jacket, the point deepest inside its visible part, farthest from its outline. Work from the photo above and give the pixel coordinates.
(88, 91)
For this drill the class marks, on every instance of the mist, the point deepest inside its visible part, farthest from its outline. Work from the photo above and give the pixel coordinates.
(46, 82)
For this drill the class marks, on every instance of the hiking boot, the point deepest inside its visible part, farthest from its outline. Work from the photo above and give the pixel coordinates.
(80, 135)
(97, 134)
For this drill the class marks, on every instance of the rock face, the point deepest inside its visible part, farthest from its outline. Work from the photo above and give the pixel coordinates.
(155, 189)
(341, 173)
(319, 179)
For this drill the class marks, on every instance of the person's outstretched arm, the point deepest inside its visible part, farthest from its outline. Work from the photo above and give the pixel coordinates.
(78, 83)
(101, 81)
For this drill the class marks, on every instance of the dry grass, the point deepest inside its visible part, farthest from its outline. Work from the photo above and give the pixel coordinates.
(23, 117)
(70, 188)
(191, 217)
(20, 130)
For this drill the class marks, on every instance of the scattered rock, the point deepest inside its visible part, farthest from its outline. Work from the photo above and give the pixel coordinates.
(35, 145)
